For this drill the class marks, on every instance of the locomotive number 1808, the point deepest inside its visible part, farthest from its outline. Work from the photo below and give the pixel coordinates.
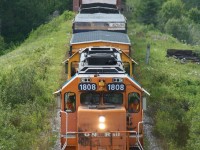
(87, 87)
(116, 87)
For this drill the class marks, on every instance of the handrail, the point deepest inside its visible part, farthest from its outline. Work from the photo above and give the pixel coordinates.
(129, 132)
(109, 132)
(138, 140)
(64, 146)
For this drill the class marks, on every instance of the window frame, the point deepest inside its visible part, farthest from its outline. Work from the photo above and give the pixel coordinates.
(129, 102)
(114, 93)
(66, 98)
(89, 102)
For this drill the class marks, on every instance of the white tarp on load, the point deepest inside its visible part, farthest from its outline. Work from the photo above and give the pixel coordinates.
(99, 1)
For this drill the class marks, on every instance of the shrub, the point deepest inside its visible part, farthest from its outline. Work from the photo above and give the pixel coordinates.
(178, 28)
(194, 14)
(194, 139)
(147, 11)
(170, 9)
(68, 15)
(194, 37)
(18, 85)
(2, 45)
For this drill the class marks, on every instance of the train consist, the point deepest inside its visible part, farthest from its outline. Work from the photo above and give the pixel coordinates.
(101, 104)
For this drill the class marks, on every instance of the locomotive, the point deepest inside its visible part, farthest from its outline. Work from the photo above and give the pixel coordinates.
(101, 103)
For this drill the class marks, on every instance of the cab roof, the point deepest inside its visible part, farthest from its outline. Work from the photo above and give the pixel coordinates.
(100, 36)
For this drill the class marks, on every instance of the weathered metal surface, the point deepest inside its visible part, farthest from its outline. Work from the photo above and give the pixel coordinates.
(105, 36)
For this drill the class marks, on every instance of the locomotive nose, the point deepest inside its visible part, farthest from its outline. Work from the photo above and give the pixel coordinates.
(101, 128)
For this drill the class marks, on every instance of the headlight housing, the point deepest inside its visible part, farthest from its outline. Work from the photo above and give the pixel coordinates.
(102, 120)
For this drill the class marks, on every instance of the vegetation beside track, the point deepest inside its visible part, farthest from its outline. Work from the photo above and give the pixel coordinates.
(174, 87)
(29, 75)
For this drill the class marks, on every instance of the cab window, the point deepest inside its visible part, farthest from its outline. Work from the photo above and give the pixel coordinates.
(90, 98)
(133, 102)
(70, 102)
(74, 68)
(113, 98)
(127, 67)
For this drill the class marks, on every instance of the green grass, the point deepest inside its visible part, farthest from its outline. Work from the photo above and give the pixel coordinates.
(174, 87)
(29, 76)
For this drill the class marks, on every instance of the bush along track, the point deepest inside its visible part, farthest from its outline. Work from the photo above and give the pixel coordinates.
(28, 77)
(174, 101)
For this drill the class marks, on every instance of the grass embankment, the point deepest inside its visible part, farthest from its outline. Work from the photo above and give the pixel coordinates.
(28, 77)
(174, 102)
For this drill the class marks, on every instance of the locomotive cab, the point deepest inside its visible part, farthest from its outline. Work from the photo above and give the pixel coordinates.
(101, 117)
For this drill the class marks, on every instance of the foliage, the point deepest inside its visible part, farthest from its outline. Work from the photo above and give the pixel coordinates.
(18, 18)
(147, 11)
(179, 18)
(194, 116)
(174, 100)
(2, 45)
(194, 35)
(194, 14)
(28, 77)
(170, 9)
(167, 16)
(191, 3)
(178, 28)
(62, 5)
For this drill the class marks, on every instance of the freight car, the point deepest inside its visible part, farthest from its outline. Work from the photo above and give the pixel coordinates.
(99, 16)
(77, 4)
(99, 21)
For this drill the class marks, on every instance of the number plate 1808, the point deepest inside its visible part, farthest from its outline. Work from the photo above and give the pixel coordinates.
(116, 87)
(87, 86)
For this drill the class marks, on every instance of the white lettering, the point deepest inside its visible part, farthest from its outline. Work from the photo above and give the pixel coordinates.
(106, 134)
(116, 134)
(94, 135)
(87, 134)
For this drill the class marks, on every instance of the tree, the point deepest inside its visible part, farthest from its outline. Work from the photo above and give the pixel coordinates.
(22, 16)
(2, 44)
(194, 14)
(191, 3)
(170, 9)
(148, 11)
(179, 28)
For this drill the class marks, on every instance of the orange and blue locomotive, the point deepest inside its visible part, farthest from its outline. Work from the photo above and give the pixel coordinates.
(101, 104)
